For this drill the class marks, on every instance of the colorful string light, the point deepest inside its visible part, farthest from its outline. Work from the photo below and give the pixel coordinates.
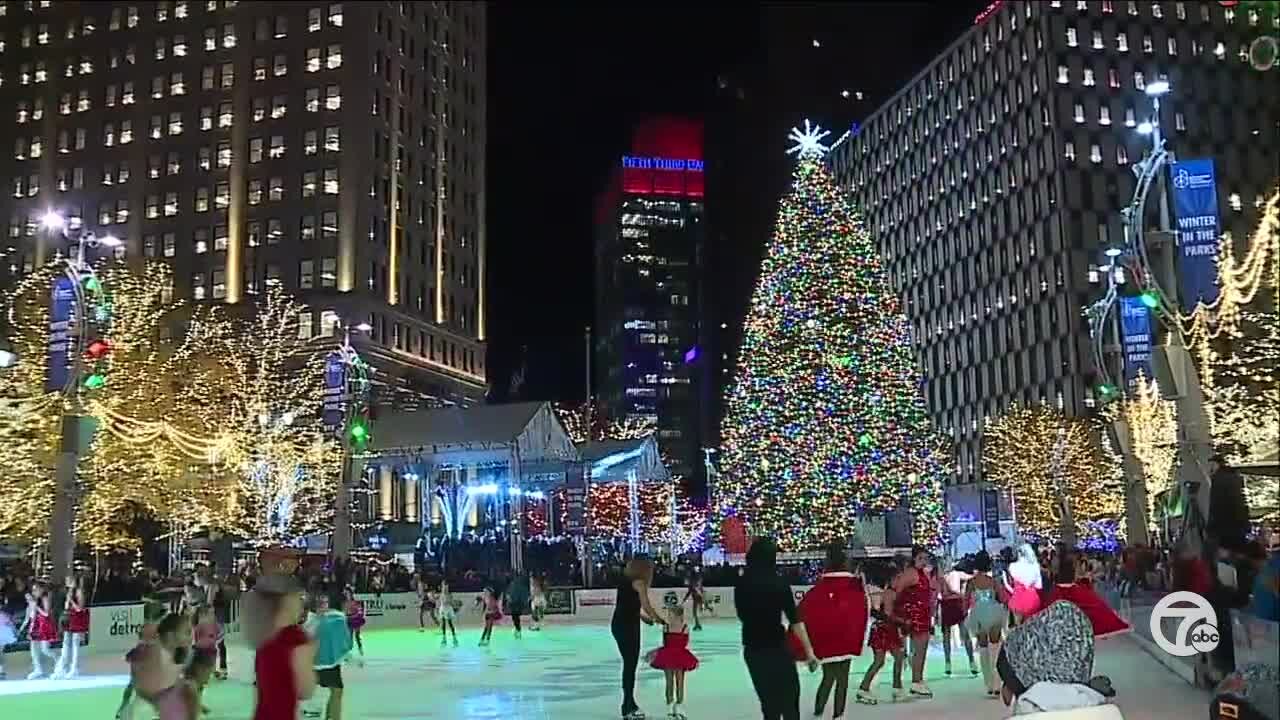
(826, 422)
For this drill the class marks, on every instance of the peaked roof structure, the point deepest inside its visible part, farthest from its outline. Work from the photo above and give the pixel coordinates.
(489, 424)
(611, 460)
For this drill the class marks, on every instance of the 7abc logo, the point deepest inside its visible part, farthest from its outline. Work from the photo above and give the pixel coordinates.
(1196, 630)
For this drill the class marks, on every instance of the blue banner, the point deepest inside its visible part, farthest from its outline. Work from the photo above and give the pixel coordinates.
(1195, 205)
(991, 513)
(335, 392)
(1135, 338)
(62, 306)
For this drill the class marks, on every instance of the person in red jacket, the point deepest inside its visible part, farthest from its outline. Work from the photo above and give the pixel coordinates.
(835, 615)
(1067, 587)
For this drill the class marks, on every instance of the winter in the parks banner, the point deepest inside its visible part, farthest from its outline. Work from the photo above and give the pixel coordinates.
(1195, 202)
(62, 303)
(1135, 336)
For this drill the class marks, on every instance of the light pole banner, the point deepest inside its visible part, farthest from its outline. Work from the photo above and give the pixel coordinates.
(62, 303)
(1195, 203)
(1135, 337)
(335, 388)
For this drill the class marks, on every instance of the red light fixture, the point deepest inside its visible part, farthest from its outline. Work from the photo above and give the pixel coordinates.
(98, 349)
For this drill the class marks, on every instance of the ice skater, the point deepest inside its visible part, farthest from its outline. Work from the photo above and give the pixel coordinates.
(986, 619)
(148, 634)
(8, 635)
(445, 612)
(885, 639)
(1104, 621)
(76, 621)
(43, 632)
(207, 636)
(354, 610)
(518, 594)
(155, 672)
(835, 615)
(674, 659)
(696, 597)
(1023, 582)
(489, 603)
(953, 609)
(537, 601)
(284, 654)
(333, 641)
(426, 603)
(912, 591)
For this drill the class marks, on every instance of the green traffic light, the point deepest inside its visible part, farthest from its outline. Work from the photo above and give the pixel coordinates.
(359, 432)
(95, 381)
(1106, 391)
(92, 284)
(1149, 299)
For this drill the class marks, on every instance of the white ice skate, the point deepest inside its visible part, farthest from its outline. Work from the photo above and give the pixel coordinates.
(921, 690)
(866, 697)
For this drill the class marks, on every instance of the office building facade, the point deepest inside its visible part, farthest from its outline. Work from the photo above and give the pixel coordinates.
(333, 149)
(995, 178)
(649, 357)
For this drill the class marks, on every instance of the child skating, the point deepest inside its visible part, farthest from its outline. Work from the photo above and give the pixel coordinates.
(76, 619)
(885, 638)
(354, 610)
(490, 603)
(537, 601)
(43, 631)
(207, 634)
(148, 634)
(333, 641)
(674, 660)
(8, 635)
(445, 614)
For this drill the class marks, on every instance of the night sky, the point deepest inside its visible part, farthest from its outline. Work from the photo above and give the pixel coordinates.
(566, 83)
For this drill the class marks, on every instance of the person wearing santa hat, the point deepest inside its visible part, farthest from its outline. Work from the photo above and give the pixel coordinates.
(835, 614)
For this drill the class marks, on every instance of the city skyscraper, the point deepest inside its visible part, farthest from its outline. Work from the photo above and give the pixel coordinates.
(995, 179)
(334, 149)
(649, 339)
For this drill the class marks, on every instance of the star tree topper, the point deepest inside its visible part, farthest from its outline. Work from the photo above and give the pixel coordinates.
(808, 142)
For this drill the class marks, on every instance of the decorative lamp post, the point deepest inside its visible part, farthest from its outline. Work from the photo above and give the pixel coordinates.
(71, 322)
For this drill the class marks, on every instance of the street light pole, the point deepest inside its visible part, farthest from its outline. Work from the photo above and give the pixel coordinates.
(1171, 362)
(355, 382)
(76, 428)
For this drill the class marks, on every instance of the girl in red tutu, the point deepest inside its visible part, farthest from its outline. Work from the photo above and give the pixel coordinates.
(913, 590)
(1103, 619)
(835, 616)
(490, 601)
(674, 659)
(76, 617)
(886, 637)
(44, 628)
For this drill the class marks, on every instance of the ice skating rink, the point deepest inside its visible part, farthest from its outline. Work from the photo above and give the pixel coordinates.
(571, 672)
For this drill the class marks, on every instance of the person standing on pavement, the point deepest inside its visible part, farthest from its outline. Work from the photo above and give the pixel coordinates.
(762, 599)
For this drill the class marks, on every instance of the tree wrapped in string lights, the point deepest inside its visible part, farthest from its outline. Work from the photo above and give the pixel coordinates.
(825, 421)
(203, 420)
(1061, 476)
(263, 392)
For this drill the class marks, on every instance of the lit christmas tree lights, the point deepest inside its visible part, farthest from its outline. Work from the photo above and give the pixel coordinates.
(825, 421)
(1062, 479)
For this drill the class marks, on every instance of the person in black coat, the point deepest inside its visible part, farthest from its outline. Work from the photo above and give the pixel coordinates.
(1228, 521)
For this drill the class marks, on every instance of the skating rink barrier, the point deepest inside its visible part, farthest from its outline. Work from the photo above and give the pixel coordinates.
(114, 628)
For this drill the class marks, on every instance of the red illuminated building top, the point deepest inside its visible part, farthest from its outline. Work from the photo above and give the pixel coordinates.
(665, 159)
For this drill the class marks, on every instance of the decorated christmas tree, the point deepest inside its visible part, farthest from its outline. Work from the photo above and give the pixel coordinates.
(826, 422)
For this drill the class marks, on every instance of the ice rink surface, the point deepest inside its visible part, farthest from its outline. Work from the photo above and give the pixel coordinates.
(571, 672)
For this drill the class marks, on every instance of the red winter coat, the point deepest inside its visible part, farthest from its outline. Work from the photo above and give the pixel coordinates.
(835, 615)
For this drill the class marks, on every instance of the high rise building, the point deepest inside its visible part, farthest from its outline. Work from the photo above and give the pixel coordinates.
(995, 178)
(333, 149)
(648, 355)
